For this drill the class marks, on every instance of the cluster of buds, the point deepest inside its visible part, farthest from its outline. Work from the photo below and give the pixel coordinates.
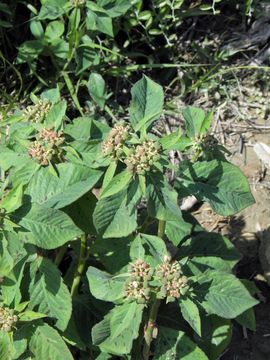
(141, 158)
(174, 282)
(114, 143)
(206, 143)
(137, 287)
(47, 147)
(38, 111)
(77, 3)
(7, 319)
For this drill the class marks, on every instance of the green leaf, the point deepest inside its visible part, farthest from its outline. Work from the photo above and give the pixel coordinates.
(81, 213)
(6, 261)
(98, 20)
(162, 200)
(105, 286)
(175, 345)
(14, 199)
(117, 332)
(48, 293)
(247, 319)
(197, 123)
(222, 294)
(52, 9)
(168, 142)
(6, 348)
(31, 315)
(46, 343)
(155, 246)
(216, 336)
(29, 51)
(191, 314)
(37, 29)
(118, 183)
(146, 104)
(109, 174)
(56, 115)
(54, 30)
(116, 215)
(203, 244)
(10, 158)
(97, 89)
(220, 183)
(57, 192)
(44, 227)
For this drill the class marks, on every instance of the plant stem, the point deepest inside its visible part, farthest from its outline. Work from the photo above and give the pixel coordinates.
(148, 336)
(81, 265)
(60, 254)
(161, 228)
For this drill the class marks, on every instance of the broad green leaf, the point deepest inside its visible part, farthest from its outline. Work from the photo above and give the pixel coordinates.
(53, 95)
(83, 316)
(116, 215)
(247, 319)
(216, 336)
(36, 29)
(44, 227)
(162, 200)
(169, 142)
(10, 158)
(118, 183)
(110, 249)
(20, 339)
(57, 192)
(49, 295)
(222, 294)
(155, 247)
(180, 230)
(197, 122)
(6, 348)
(105, 286)
(10, 288)
(46, 343)
(116, 333)
(220, 183)
(85, 128)
(198, 265)
(174, 345)
(29, 51)
(98, 20)
(56, 115)
(54, 30)
(14, 199)
(52, 9)
(109, 174)
(204, 244)
(97, 89)
(146, 104)
(191, 313)
(6, 260)
(30, 315)
(81, 212)
(115, 8)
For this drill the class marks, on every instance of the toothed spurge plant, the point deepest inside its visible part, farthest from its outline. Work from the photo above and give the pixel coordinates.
(97, 260)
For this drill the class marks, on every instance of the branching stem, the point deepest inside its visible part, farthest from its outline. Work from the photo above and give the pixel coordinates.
(81, 265)
(148, 335)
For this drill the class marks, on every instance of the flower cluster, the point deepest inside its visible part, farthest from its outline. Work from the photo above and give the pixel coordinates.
(174, 283)
(167, 281)
(7, 319)
(38, 111)
(47, 147)
(141, 158)
(114, 143)
(137, 287)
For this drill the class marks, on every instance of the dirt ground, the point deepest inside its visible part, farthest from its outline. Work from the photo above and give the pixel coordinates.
(250, 232)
